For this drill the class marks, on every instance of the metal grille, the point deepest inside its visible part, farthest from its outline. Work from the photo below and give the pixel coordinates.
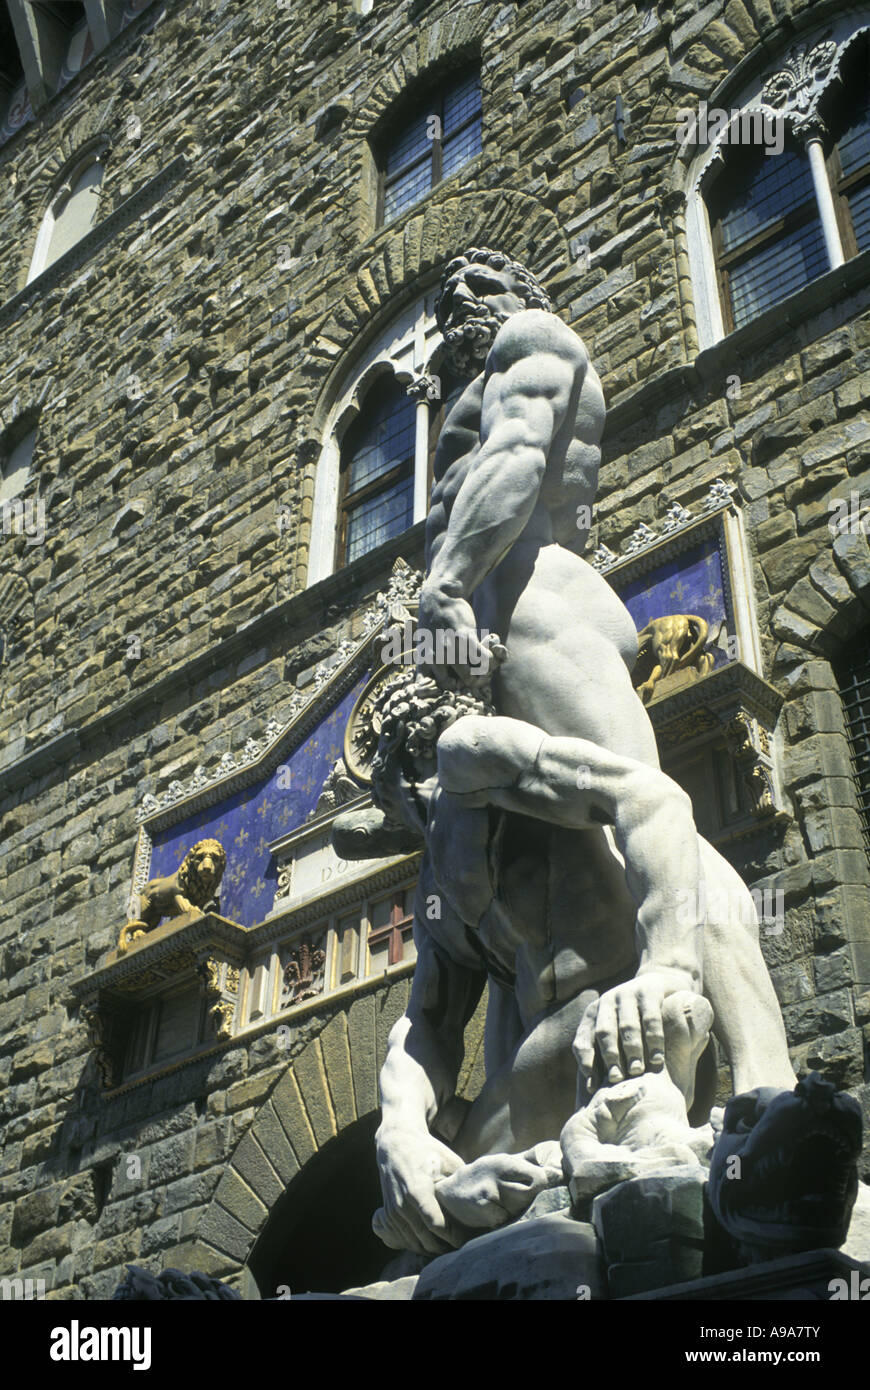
(854, 682)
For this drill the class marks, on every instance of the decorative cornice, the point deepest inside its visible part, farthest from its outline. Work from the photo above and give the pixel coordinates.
(338, 671)
(677, 519)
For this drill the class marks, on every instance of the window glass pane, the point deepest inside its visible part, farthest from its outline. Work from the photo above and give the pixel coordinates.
(859, 206)
(378, 518)
(460, 102)
(383, 436)
(775, 270)
(854, 147)
(407, 189)
(776, 186)
(380, 913)
(408, 147)
(460, 148)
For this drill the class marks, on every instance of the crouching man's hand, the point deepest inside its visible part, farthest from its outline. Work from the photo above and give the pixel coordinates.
(410, 1164)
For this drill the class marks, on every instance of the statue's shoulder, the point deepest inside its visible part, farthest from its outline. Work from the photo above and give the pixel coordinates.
(533, 331)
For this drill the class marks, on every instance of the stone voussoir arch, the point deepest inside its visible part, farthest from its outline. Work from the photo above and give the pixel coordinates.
(508, 220)
(457, 36)
(831, 602)
(328, 1086)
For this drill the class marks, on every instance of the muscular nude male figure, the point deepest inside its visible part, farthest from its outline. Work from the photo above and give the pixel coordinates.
(561, 858)
(516, 467)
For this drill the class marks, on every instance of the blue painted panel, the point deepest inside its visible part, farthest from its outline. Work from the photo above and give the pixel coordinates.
(690, 582)
(247, 821)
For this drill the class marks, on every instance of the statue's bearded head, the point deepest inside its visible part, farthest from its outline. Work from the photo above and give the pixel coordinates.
(479, 290)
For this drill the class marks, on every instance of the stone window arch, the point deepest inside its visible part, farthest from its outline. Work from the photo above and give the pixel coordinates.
(72, 212)
(779, 192)
(403, 357)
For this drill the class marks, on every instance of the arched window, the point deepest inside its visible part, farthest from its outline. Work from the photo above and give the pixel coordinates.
(377, 471)
(780, 193)
(439, 133)
(72, 214)
(767, 232)
(853, 678)
(374, 472)
(15, 465)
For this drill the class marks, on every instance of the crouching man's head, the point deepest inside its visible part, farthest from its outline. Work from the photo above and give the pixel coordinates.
(410, 714)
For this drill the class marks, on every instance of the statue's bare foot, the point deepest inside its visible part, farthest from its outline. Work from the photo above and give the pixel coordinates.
(641, 1125)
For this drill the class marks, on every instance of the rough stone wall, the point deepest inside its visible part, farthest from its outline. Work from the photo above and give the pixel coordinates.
(162, 494)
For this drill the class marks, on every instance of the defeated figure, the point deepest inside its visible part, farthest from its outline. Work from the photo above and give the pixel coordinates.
(192, 888)
(641, 1126)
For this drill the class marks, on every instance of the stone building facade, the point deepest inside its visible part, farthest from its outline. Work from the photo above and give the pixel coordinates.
(205, 281)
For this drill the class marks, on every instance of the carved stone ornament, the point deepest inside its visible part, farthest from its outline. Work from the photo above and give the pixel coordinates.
(100, 1025)
(193, 888)
(364, 726)
(603, 557)
(670, 647)
(303, 973)
(338, 788)
(221, 1015)
(749, 745)
(640, 538)
(424, 388)
(795, 90)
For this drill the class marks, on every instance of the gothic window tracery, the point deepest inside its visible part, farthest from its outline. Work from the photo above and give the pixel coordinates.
(781, 192)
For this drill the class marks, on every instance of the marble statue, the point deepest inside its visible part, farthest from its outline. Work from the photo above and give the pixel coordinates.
(192, 888)
(561, 864)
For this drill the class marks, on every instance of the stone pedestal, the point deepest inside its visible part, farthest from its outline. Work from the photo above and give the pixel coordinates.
(651, 1231)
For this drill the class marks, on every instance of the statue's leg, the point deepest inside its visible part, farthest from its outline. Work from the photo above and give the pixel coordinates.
(747, 1018)
(531, 1096)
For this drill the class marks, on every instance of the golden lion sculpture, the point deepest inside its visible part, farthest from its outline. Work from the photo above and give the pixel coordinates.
(669, 644)
(192, 888)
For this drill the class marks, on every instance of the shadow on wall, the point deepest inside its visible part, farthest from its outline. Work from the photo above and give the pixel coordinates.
(319, 1235)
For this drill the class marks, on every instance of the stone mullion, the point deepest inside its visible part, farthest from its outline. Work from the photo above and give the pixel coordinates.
(825, 199)
(423, 389)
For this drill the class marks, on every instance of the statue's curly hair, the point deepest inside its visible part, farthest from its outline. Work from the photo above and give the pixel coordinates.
(412, 711)
(530, 289)
(189, 881)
